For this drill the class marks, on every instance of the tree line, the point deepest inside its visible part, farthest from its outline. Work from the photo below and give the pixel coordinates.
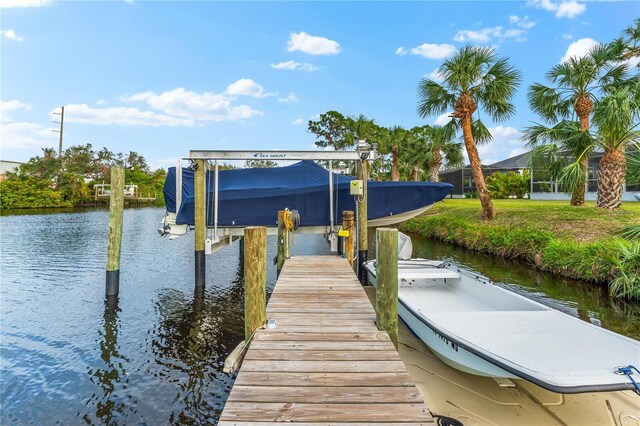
(589, 103)
(67, 180)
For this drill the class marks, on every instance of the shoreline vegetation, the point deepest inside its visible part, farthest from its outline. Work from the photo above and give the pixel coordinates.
(576, 242)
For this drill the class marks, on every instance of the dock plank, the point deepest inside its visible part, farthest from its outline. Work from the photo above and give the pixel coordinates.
(291, 411)
(386, 379)
(327, 394)
(325, 362)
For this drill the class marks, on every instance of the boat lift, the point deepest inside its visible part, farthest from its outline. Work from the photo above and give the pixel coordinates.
(362, 152)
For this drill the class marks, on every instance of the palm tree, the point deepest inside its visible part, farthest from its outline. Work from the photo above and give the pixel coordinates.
(616, 117)
(576, 84)
(395, 137)
(472, 77)
(441, 147)
(555, 148)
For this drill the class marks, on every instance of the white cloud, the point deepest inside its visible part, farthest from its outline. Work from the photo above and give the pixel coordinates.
(435, 75)
(194, 106)
(505, 144)
(247, 87)
(443, 119)
(485, 35)
(294, 66)
(11, 35)
(101, 102)
(23, 3)
(567, 36)
(124, 116)
(8, 106)
(291, 98)
(518, 31)
(428, 50)
(25, 135)
(563, 9)
(298, 122)
(578, 49)
(312, 45)
(525, 23)
(570, 9)
(505, 134)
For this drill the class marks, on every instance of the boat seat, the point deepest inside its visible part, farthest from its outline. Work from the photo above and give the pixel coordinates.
(434, 273)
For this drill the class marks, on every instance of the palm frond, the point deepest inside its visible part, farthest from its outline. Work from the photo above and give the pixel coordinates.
(496, 89)
(466, 67)
(452, 152)
(548, 102)
(572, 175)
(481, 134)
(616, 116)
(631, 232)
(433, 98)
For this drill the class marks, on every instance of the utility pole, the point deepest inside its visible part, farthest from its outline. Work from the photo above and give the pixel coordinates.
(61, 123)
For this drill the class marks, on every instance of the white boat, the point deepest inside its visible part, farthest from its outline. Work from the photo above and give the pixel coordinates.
(480, 328)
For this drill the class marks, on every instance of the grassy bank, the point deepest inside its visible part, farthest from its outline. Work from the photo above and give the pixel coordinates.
(577, 242)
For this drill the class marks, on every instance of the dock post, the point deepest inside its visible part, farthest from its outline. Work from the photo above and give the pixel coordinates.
(281, 248)
(363, 236)
(116, 206)
(255, 279)
(348, 224)
(200, 225)
(387, 282)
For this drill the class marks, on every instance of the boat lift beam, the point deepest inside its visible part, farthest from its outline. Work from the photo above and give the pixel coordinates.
(363, 152)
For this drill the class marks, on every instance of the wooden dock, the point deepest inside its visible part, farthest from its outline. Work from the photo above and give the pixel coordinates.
(325, 362)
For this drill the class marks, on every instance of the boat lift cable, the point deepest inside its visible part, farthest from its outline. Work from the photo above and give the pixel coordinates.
(628, 371)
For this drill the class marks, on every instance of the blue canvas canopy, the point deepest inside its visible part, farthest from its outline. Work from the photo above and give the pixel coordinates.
(249, 197)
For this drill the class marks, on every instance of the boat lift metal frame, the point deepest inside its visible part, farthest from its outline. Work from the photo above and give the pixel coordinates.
(363, 152)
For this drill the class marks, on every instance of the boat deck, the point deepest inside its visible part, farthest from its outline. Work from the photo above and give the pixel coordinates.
(325, 362)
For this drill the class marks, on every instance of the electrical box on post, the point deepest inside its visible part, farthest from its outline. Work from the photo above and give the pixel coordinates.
(356, 188)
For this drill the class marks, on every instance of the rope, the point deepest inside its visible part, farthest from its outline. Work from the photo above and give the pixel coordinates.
(628, 371)
(291, 220)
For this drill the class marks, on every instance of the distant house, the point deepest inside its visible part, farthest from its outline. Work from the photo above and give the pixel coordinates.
(542, 187)
(462, 178)
(8, 166)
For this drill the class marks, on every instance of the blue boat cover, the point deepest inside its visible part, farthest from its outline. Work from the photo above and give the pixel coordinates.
(254, 196)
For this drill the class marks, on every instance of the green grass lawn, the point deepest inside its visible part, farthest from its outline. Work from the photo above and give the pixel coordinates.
(578, 242)
(584, 224)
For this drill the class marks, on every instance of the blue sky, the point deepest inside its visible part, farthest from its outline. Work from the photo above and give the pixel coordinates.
(161, 78)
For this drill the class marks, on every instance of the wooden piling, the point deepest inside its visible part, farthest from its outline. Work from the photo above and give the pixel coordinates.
(363, 236)
(281, 240)
(200, 225)
(255, 279)
(387, 282)
(348, 224)
(116, 206)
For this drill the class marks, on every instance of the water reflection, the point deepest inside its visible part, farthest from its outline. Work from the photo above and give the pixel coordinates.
(108, 404)
(190, 345)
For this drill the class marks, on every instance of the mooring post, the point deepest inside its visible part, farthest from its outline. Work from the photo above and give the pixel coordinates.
(116, 206)
(200, 225)
(387, 282)
(281, 237)
(348, 225)
(363, 236)
(255, 279)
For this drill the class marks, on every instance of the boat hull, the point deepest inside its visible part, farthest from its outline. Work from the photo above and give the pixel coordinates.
(444, 348)
(252, 197)
(481, 328)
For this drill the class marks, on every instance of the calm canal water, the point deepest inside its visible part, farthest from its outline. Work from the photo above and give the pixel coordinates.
(66, 357)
